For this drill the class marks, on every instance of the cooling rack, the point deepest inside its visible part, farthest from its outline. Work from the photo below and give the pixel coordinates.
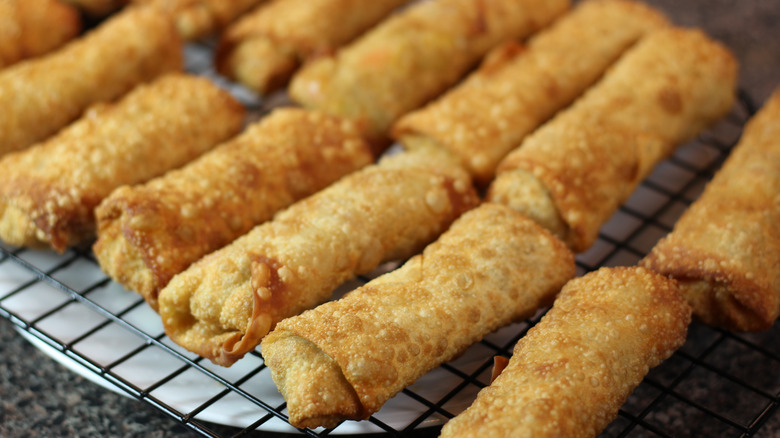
(718, 384)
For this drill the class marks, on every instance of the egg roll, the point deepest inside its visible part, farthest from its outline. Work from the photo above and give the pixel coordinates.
(569, 375)
(725, 249)
(225, 303)
(97, 9)
(264, 48)
(414, 56)
(148, 233)
(49, 191)
(40, 96)
(590, 157)
(519, 87)
(29, 28)
(492, 267)
(196, 19)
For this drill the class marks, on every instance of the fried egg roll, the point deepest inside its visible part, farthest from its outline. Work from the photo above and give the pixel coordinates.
(518, 87)
(414, 56)
(48, 192)
(97, 8)
(29, 28)
(196, 19)
(40, 96)
(264, 48)
(589, 158)
(725, 249)
(225, 303)
(492, 267)
(569, 375)
(148, 233)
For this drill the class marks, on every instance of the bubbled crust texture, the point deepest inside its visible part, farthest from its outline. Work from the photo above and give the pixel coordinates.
(492, 267)
(591, 156)
(518, 88)
(57, 184)
(199, 18)
(725, 249)
(174, 220)
(29, 28)
(265, 47)
(570, 374)
(44, 94)
(430, 44)
(224, 304)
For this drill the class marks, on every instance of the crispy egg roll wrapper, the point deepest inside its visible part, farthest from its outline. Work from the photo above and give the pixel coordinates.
(148, 233)
(518, 87)
(492, 267)
(264, 48)
(98, 8)
(48, 192)
(29, 28)
(224, 304)
(590, 157)
(414, 56)
(569, 375)
(725, 249)
(40, 96)
(196, 19)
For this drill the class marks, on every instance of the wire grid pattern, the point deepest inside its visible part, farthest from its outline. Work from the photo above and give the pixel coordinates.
(718, 384)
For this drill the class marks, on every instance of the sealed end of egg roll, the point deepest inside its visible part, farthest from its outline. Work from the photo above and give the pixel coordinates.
(569, 375)
(589, 158)
(43, 95)
(48, 192)
(151, 232)
(264, 48)
(224, 304)
(725, 249)
(196, 19)
(517, 88)
(346, 358)
(414, 56)
(29, 28)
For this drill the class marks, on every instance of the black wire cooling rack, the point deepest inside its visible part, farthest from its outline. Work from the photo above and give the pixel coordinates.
(719, 384)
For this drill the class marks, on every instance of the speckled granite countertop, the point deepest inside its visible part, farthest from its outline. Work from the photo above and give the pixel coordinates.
(39, 397)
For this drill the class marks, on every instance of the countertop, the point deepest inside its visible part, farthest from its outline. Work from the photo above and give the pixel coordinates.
(39, 397)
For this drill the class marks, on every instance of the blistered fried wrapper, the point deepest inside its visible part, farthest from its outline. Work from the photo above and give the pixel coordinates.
(48, 192)
(196, 19)
(575, 170)
(345, 359)
(264, 48)
(224, 304)
(725, 249)
(148, 233)
(518, 87)
(43, 95)
(569, 375)
(414, 56)
(29, 28)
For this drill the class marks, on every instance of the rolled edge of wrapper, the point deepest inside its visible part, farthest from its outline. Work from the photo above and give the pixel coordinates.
(311, 370)
(725, 249)
(570, 373)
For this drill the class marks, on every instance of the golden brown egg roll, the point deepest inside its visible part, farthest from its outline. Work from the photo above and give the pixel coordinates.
(29, 28)
(98, 8)
(48, 192)
(40, 96)
(264, 48)
(725, 249)
(148, 233)
(225, 303)
(196, 19)
(589, 158)
(569, 375)
(413, 56)
(492, 267)
(519, 87)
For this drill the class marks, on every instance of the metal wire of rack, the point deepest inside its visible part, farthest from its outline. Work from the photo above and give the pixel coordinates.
(718, 384)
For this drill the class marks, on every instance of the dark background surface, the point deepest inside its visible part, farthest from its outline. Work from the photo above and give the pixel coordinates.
(38, 397)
